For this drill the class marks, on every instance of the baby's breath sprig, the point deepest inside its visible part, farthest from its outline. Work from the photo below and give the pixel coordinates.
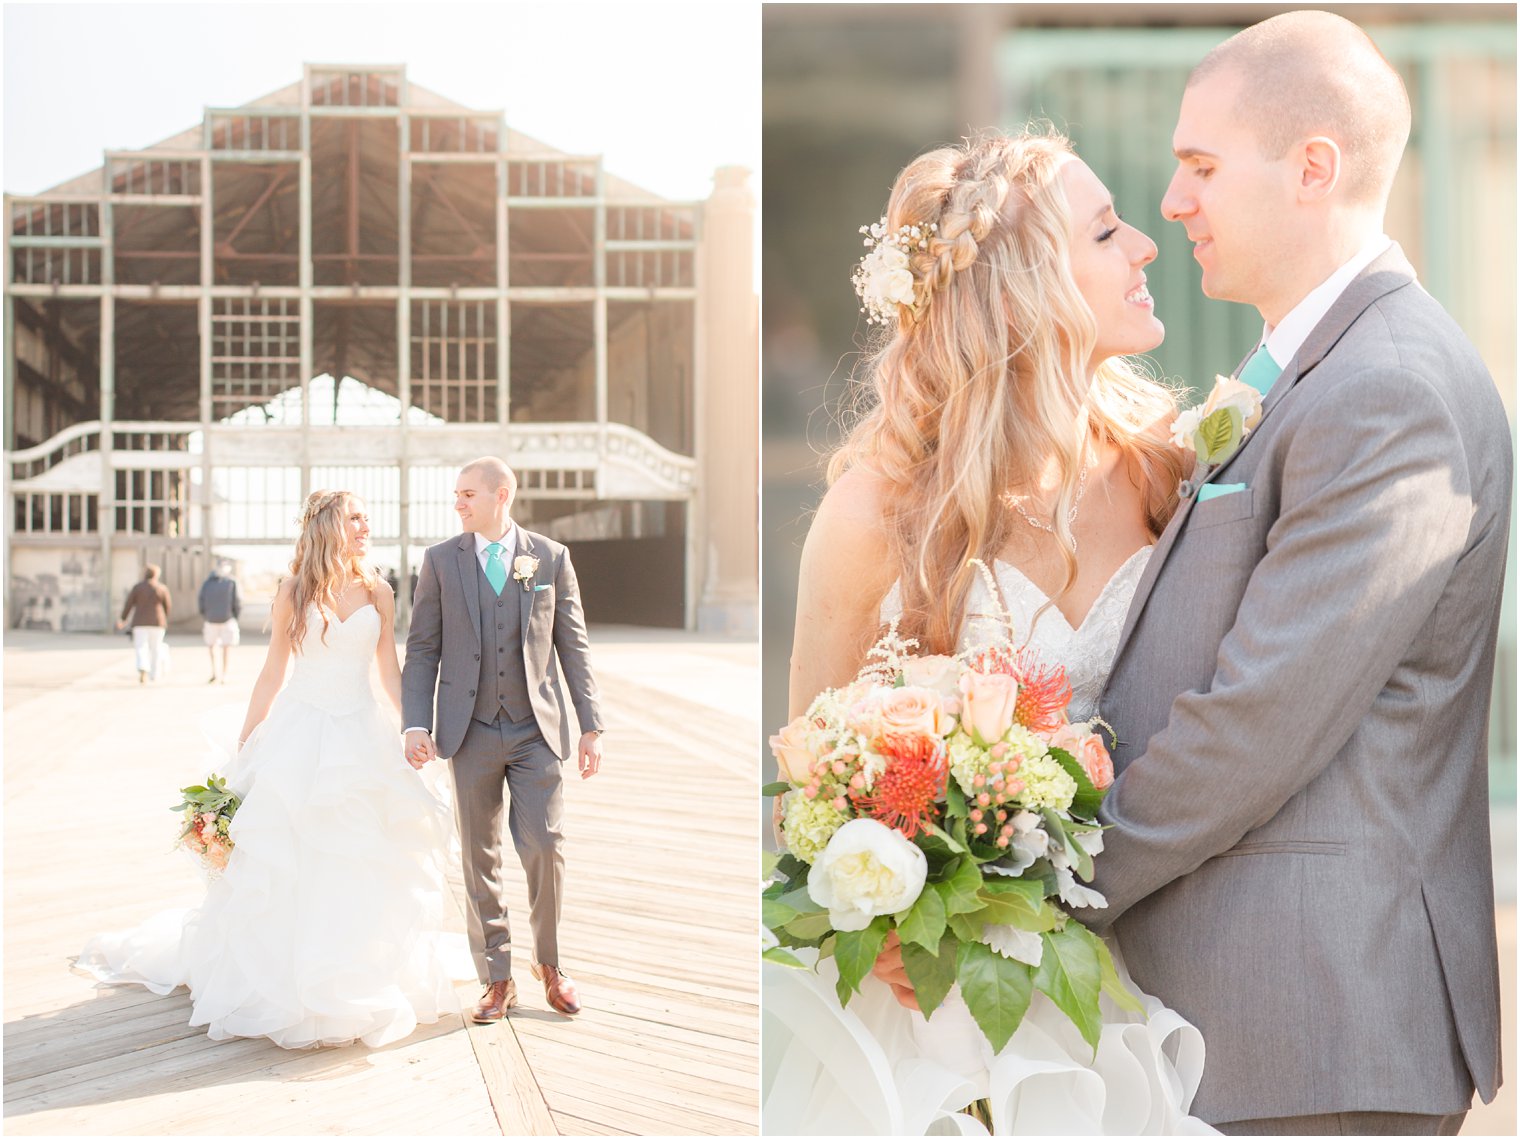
(883, 279)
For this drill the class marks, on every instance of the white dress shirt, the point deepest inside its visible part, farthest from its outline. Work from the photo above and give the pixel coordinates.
(508, 546)
(1284, 341)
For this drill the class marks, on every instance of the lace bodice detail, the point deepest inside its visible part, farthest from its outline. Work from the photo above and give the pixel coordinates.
(1087, 652)
(335, 675)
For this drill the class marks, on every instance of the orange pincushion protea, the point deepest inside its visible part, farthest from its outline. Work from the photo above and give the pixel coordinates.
(1044, 693)
(914, 778)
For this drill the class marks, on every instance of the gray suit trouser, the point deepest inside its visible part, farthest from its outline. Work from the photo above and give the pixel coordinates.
(513, 758)
(1349, 1123)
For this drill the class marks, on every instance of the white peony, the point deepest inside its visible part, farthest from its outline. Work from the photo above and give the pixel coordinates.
(867, 869)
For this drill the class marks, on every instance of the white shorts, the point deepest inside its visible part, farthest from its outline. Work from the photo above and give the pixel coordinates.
(220, 632)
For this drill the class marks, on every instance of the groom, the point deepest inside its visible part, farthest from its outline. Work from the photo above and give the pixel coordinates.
(1299, 858)
(492, 608)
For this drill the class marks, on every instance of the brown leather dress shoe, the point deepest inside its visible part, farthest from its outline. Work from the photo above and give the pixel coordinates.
(495, 1001)
(559, 990)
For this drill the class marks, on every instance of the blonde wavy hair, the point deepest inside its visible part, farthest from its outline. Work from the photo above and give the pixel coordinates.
(986, 375)
(323, 566)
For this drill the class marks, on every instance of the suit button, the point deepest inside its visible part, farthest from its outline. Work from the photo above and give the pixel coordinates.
(472, 692)
(501, 649)
(477, 656)
(501, 626)
(503, 673)
(499, 604)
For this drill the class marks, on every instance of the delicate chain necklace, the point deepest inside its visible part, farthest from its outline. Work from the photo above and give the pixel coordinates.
(1071, 514)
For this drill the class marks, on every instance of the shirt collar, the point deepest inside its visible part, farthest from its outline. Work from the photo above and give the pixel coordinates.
(1284, 341)
(508, 543)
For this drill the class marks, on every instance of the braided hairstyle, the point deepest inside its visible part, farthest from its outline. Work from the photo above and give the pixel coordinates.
(985, 377)
(323, 566)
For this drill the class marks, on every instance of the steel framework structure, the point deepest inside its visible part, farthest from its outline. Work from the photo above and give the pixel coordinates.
(169, 313)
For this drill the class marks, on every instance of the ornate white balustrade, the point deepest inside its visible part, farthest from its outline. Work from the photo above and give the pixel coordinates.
(562, 460)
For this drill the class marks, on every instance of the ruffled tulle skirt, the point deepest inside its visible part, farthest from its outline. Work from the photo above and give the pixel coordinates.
(327, 925)
(876, 1068)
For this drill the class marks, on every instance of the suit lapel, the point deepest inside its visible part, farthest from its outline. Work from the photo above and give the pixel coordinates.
(525, 546)
(469, 574)
(1389, 272)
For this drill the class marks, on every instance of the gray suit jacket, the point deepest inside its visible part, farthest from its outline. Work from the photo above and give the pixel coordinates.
(1299, 857)
(443, 645)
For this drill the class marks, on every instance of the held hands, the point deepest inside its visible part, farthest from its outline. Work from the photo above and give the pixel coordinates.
(419, 748)
(889, 970)
(590, 754)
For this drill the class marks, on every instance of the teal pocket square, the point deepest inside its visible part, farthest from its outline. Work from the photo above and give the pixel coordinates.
(539, 588)
(1218, 489)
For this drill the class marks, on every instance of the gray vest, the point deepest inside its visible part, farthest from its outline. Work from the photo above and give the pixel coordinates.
(503, 683)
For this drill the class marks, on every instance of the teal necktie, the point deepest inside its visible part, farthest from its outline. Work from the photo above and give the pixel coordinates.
(1260, 371)
(496, 573)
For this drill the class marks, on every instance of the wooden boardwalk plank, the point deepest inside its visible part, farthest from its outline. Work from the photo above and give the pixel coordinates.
(669, 1039)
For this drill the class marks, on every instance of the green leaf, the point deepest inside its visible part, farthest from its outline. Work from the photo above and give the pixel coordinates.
(768, 862)
(802, 901)
(1069, 974)
(996, 989)
(924, 922)
(855, 952)
(809, 926)
(782, 957)
(956, 806)
(1023, 909)
(966, 927)
(1111, 984)
(932, 840)
(931, 972)
(775, 913)
(826, 946)
(1219, 434)
(772, 789)
(793, 868)
(1088, 798)
(960, 887)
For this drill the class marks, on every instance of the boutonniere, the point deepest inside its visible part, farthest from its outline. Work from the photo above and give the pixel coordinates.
(524, 566)
(1215, 429)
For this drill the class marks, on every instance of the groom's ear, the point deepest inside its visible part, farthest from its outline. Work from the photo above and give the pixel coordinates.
(1319, 168)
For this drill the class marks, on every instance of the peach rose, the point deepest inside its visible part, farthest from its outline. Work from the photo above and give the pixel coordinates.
(903, 712)
(793, 755)
(1086, 747)
(217, 855)
(987, 704)
(934, 672)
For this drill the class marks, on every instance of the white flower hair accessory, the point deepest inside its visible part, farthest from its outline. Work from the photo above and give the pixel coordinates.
(882, 279)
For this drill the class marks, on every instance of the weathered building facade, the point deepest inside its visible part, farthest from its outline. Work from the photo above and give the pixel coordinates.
(354, 282)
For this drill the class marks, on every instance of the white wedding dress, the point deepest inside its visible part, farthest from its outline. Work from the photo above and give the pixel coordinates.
(876, 1068)
(326, 926)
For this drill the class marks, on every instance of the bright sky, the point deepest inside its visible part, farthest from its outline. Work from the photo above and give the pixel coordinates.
(665, 92)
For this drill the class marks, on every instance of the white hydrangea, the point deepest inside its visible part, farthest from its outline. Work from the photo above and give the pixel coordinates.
(1046, 784)
(808, 824)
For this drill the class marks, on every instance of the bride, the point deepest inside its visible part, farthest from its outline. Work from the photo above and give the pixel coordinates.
(325, 926)
(1007, 426)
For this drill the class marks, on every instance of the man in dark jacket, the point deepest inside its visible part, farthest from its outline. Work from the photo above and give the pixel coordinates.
(220, 606)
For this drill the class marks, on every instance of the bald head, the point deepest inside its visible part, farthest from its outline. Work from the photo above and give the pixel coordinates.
(1303, 74)
(494, 473)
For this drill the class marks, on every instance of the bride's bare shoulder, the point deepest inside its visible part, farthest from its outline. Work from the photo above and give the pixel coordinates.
(847, 541)
(854, 508)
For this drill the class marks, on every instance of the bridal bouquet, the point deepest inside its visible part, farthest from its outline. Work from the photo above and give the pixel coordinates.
(207, 813)
(948, 799)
